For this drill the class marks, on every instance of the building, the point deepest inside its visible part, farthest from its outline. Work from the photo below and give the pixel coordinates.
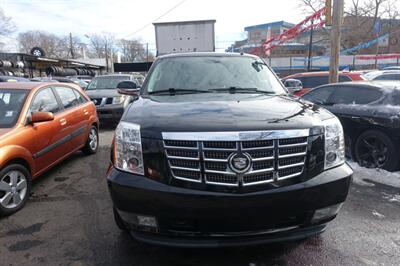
(257, 34)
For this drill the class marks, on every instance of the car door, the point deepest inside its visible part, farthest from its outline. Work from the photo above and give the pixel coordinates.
(85, 111)
(48, 138)
(72, 115)
(320, 95)
(351, 104)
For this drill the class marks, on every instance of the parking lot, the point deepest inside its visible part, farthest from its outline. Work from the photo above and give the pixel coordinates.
(69, 221)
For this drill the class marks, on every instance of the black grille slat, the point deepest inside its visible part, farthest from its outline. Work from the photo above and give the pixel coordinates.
(221, 178)
(216, 166)
(292, 141)
(181, 143)
(290, 171)
(182, 153)
(258, 177)
(222, 155)
(219, 145)
(185, 163)
(109, 101)
(186, 174)
(292, 150)
(261, 153)
(257, 144)
(289, 161)
(263, 165)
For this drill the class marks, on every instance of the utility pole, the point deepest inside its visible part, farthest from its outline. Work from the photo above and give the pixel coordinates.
(106, 50)
(71, 48)
(147, 52)
(338, 7)
(310, 47)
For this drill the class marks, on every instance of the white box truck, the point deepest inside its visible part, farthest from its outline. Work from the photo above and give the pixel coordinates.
(185, 36)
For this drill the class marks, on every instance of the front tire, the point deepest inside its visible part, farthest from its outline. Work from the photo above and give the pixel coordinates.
(15, 188)
(92, 142)
(375, 149)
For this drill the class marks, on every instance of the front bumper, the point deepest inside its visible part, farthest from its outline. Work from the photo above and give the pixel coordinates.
(188, 218)
(110, 112)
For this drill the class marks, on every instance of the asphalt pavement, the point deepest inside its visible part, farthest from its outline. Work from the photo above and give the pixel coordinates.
(69, 221)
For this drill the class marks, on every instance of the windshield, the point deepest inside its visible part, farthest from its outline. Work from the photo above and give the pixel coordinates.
(106, 82)
(11, 102)
(212, 74)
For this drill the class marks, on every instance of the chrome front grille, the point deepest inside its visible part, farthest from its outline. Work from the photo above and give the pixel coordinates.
(276, 156)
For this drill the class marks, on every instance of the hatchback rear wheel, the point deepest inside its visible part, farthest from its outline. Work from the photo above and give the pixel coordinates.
(15, 186)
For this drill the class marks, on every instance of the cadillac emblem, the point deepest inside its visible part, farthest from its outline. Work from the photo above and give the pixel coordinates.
(239, 162)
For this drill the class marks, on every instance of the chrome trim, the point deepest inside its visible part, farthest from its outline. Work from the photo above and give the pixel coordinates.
(291, 155)
(258, 182)
(219, 172)
(206, 159)
(185, 169)
(290, 176)
(181, 148)
(265, 170)
(290, 165)
(236, 136)
(197, 159)
(262, 159)
(293, 145)
(187, 179)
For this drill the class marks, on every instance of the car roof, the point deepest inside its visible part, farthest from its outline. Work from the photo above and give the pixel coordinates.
(113, 75)
(22, 85)
(206, 54)
(382, 84)
(320, 73)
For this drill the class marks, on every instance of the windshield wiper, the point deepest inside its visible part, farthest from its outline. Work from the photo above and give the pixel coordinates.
(177, 91)
(241, 90)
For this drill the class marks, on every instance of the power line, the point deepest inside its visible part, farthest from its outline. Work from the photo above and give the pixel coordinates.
(148, 24)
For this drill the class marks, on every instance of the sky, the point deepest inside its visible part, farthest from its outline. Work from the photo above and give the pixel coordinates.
(133, 19)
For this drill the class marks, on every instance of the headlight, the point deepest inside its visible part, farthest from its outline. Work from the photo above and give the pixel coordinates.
(334, 143)
(128, 148)
(119, 99)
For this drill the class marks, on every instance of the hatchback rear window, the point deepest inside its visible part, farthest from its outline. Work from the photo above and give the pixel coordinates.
(11, 102)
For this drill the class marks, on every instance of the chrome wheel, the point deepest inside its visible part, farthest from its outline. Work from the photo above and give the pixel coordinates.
(93, 140)
(13, 188)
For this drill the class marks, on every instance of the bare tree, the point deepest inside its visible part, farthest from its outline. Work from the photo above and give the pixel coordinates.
(132, 50)
(311, 6)
(53, 45)
(7, 27)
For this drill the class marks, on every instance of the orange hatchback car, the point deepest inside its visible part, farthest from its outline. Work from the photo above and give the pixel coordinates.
(40, 125)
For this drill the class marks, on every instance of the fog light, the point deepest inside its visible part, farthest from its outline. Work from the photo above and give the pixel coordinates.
(147, 221)
(326, 213)
(331, 157)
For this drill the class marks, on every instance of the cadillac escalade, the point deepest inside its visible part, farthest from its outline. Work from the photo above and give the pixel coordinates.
(215, 152)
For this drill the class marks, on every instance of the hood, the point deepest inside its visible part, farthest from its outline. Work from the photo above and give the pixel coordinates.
(222, 112)
(108, 93)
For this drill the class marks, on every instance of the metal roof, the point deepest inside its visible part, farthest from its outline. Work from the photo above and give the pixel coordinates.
(271, 24)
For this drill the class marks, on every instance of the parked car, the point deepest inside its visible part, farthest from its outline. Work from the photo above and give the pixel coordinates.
(40, 125)
(370, 115)
(383, 75)
(85, 78)
(103, 91)
(12, 79)
(391, 68)
(214, 152)
(312, 80)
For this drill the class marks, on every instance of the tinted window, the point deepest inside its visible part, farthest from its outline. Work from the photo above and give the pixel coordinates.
(67, 97)
(80, 97)
(45, 101)
(313, 82)
(355, 95)
(388, 77)
(319, 95)
(106, 82)
(212, 72)
(11, 102)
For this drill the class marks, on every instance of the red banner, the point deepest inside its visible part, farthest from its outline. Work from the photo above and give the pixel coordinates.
(312, 22)
(379, 56)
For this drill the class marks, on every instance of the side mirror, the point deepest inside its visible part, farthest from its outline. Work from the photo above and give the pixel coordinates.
(293, 85)
(128, 87)
(37, 117)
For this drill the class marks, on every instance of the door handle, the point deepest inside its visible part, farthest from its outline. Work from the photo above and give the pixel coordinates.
(85, 112)
(63, 121)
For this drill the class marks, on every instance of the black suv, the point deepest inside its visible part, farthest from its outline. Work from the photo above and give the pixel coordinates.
(214, 152)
